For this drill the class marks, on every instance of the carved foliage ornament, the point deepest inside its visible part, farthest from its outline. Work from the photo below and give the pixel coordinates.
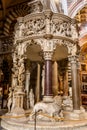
(74, 59)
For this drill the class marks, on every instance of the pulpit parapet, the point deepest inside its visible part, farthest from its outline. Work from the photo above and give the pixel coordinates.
(46, 23)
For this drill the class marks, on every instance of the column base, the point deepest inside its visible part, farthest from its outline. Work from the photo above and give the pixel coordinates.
(17, 115)
(48, 99)
(74, 115)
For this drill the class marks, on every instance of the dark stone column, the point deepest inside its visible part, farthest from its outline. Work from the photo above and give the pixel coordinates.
(48, 78)
(75, 84)
(48, 95)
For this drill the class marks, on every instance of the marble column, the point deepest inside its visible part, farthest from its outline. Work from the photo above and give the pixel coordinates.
(37, 92)
(27, 83)
(66, 88)
(79, 80)
(55, 78)
(43, 79)
(48, 94)
(75, 84)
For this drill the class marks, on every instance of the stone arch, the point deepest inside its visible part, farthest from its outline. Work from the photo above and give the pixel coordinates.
(33, 58)
(58, 52)
(20, 10)
(17, 11)
(83, 40)
(75, 7)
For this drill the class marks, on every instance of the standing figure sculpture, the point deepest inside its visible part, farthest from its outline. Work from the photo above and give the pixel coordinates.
(9, 104)
(31, 98)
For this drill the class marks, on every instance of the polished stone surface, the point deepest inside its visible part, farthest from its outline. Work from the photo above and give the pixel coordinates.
(62, 125)
(3, 111)
(13, 124)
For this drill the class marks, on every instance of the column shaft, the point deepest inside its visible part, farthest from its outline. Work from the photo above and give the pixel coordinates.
(27, 83)
(48, 78)
(55, 78)
(75, 86)
(38, 84)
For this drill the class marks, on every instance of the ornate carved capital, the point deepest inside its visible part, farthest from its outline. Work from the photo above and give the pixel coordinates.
(73, 59)
(48, 55)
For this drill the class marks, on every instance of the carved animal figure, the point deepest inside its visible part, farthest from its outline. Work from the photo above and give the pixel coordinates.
(51, 109)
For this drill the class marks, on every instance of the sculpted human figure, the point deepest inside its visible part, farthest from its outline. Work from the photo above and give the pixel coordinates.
(19, 28)
(31, 98)
(15, 74)
(21, 71)
(21, 74)
(74, 32)
(9, 104)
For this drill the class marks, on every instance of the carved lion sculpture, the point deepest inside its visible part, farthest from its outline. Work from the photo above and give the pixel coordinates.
(49, 109)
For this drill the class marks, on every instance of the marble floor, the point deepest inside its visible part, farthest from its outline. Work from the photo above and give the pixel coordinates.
(3, 111)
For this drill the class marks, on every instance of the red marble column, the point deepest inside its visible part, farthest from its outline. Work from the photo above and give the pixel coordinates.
(48, 95)
(48, 78)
